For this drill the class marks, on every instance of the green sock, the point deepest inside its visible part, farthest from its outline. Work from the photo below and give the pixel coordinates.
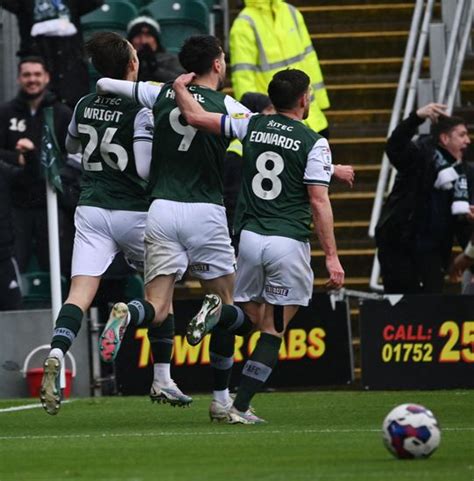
(142, 312)
(257, 369)
(161, 340)
(234, 319)
(221, 352)
(67, 326)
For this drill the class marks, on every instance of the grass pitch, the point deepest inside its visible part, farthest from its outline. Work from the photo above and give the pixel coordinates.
(309, 436)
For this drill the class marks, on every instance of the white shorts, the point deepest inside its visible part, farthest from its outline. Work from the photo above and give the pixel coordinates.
(273, 269)
(101, 234)
(182, 234)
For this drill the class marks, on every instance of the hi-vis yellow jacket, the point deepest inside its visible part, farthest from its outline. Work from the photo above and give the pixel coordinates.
(269, 36)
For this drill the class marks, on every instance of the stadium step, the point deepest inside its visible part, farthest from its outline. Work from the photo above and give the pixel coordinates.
(365, 177)
(337, 18)
(354, 150)
(339, 67)
(356, 262)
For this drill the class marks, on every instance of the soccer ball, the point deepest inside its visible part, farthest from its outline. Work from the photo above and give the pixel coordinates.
(411, 431)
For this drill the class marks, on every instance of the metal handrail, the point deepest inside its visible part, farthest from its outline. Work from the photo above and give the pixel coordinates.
(461, 55)
(412, 88)
(398, 103)
(449, 78)
(450, 51)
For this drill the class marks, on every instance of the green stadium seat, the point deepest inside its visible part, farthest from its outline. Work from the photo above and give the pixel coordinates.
(113, 15)
(36, 288)
(178, 20)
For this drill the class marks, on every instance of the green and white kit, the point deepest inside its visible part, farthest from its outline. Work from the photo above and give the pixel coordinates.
(281, 158)
(115, 135)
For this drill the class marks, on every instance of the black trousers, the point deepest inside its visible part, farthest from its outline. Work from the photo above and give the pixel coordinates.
(408, 271)
(10, 293)
(31, 238)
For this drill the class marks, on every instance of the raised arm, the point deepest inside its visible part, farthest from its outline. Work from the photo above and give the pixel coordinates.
(401, 151)
(144, 93)
(192, 111)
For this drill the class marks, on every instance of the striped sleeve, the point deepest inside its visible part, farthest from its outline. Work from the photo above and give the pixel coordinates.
(235, 123)
(319, 164)
(235, 126)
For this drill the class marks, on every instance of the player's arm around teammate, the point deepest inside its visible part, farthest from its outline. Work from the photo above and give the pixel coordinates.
(286, 171)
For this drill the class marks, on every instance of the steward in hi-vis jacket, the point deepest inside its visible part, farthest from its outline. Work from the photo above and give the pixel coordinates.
(266, 37)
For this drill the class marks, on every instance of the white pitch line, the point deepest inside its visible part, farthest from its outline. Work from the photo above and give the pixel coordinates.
(25, 407)
(231, 432)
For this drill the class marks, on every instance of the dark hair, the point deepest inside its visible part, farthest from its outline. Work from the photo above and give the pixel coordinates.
(255, 102)
(110, 54)
(32, 59)
(199, 52)
(286, 87)
(444, 125)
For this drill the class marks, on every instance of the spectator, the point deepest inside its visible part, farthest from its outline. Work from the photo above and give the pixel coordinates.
(52, 29)
(267, 36)
(155, 63)
(21, 125)
(428, 204)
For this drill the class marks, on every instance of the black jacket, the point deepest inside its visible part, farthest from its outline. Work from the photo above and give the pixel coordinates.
(63, 55)
(416, 214)
(16, 122)
(8, 173)
(158, 66)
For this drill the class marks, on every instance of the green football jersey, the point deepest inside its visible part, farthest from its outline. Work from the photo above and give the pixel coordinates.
(187, 164)
(281, 157)
(107, 126)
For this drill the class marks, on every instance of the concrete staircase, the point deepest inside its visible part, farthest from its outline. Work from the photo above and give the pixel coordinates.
(360, 45)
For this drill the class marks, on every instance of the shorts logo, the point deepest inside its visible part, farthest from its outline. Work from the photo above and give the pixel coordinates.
(278, 291)
(199, 268)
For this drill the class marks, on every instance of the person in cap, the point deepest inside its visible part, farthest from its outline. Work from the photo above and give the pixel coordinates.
(156, 63)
